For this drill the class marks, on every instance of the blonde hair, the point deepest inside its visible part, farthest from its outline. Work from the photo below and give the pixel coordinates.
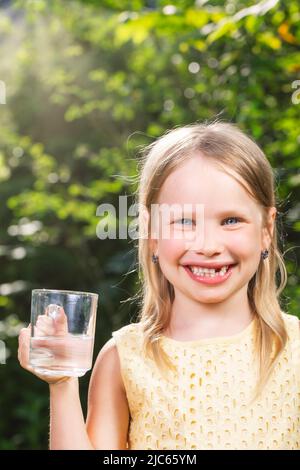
(230, 149)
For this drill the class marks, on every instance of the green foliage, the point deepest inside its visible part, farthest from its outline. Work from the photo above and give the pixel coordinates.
(86, 88)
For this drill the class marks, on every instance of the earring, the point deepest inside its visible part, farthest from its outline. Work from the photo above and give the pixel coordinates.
(264, 254)
(154, 258)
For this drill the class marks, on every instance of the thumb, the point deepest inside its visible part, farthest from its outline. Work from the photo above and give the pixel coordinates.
(61, 321)
(59, 318)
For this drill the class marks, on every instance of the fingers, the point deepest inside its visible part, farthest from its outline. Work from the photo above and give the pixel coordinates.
(24, 344)
(53, 323)
(61, 322)
(23, 357)
(44, 326)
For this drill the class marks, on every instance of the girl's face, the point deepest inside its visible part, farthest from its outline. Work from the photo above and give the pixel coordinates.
(229, 230)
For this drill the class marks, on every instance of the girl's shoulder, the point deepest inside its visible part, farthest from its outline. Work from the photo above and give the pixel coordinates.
(131, 328)
(129, 345)
(292, 324)
(128, 335)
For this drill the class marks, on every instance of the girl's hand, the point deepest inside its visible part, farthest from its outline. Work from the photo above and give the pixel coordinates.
(46, 325)
(53, 323)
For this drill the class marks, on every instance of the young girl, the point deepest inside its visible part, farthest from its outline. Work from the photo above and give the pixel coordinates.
(213, 362)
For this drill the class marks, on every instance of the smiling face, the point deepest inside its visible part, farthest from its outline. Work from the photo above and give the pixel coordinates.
(231, 232)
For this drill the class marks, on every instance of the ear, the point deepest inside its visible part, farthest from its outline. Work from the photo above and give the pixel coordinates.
(153, 246)
(271, 218)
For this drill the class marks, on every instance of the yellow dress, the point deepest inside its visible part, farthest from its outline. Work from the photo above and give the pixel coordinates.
(206, 403)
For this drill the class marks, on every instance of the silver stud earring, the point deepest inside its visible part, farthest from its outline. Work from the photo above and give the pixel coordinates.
(154, 258)
(264, 254)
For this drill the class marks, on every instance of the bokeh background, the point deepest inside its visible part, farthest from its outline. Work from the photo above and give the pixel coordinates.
(84, 85)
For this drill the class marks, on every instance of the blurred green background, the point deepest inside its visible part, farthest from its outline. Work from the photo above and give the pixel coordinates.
(85, 84)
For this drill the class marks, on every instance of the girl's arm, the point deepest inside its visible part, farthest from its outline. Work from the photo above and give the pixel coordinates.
(108, 411)
(67, 427)
(108, 414)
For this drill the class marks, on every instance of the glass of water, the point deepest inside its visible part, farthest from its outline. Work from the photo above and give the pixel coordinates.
(62, 332)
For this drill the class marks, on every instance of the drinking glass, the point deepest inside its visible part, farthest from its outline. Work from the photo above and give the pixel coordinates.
(62, 331)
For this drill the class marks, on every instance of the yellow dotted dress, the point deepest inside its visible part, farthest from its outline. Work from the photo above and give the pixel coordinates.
(205, 405)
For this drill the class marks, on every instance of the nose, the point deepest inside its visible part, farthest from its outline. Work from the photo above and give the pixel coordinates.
(205, 240)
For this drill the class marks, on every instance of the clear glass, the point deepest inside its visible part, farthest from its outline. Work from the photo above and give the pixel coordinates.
(62, 332)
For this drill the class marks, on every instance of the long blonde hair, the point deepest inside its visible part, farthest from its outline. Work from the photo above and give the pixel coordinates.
(228, 147)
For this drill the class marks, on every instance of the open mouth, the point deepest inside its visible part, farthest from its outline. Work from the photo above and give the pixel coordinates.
(210, 272)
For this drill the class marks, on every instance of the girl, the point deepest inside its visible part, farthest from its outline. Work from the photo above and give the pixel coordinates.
(213, 362)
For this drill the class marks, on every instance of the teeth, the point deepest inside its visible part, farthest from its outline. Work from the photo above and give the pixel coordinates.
(206, 272)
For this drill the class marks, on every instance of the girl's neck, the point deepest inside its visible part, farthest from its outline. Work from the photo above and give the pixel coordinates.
(194, 320)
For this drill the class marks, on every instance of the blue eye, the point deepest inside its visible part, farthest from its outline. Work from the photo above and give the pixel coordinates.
(233, 218)
(180, 220)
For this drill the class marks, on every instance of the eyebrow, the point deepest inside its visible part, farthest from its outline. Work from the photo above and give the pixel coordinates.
(223, 213)
(233, 211)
